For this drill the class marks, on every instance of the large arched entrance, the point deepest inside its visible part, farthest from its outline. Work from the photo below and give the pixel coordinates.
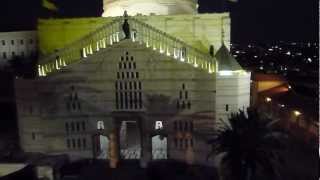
(130, 140)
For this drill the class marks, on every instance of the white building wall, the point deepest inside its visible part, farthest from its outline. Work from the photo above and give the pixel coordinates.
(147, 7)
(19, 43)
(232, 94)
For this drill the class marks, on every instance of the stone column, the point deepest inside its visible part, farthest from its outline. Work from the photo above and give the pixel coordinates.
(145, 143)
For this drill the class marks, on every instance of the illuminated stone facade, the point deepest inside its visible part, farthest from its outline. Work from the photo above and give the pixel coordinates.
(149, 7)
(160, 87)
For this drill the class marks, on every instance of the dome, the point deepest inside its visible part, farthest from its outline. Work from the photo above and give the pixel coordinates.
(147, 7)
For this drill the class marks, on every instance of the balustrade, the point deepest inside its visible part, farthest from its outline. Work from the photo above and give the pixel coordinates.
(111, 33)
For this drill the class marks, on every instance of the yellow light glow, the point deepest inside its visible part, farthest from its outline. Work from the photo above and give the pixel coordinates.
(297, 113)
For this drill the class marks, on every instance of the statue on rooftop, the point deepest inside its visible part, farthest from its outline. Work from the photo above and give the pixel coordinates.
(126, 26)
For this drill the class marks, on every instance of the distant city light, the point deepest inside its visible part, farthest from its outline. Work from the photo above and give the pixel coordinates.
(255, 57)
(288, 53)
(282, 105)
(309, 60)
(270, 49)
(268, 99)
(237, 52)
(289, 87)
(261, 68)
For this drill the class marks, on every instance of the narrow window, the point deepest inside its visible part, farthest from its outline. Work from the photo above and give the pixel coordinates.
(128, 75)
(72, 127)
(68, 143)
(140, 85)
(21, 41)
(3, 42)
(125, 100)
(83, 126)
(33, 136)
(124, 65)
(122, 75)
(67, 127)
(137, 75)
(13, 53)
(132, 75)
(78, 126)
(127, 58)
(183, 105)
(4, 55)
(175, 142)
(79, 143)
(131, 58)
(189, 105)
(227, 107)
(191, 142)
(180, 95)
(191, 126)
(186, 94)
(73, 143)
(134, 85)
(120, 65)
(134, 65)
(117, 100)
(122, 58)
(12, 42)
(121, 100)
(186, 128)
(84, 143)
(129, 64)
(183, 86)
(180, 143)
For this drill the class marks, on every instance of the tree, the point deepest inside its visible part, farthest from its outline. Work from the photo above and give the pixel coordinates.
(248, 145)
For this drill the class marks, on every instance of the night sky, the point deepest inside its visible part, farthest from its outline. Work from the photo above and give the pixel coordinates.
(252, 20)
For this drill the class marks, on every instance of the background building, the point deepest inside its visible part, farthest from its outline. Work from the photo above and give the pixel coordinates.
(19, 43)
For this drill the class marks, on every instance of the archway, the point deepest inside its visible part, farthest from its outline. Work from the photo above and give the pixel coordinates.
(159, 147)
(130, 140)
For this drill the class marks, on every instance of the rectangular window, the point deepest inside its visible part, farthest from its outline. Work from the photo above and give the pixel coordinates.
(84, 143)
(227, 107)
(13, 53)
(83, 126)
(73, 143)
(4, 55)
(68, 143)
(3, 42)
(31, 41)
(67, 127)
(79, 143)
(12, 42)
(33, 136)
(21, 41)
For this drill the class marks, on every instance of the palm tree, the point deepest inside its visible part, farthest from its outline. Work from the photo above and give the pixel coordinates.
(248, 146)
